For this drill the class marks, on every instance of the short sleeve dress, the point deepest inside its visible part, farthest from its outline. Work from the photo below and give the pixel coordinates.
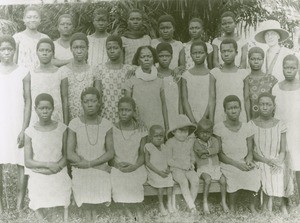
(234, 145)
(113, 84)
(256, 87)
(45, 191)
(267, 144)
(128, 187)
(97, 51)
(159, 159)
(229, 84)
(49, 83)
(76, 85)
(189, 63)
(11, 115)
(176, 47)
(147, 97)
(27, 56)
(90, 186)
(62, 53)
(198, 93)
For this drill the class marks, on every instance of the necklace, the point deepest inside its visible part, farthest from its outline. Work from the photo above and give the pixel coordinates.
(87, 133)
(129, 137)
(84, 76)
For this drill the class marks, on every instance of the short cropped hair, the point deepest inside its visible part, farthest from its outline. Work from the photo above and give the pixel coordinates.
(229, 41)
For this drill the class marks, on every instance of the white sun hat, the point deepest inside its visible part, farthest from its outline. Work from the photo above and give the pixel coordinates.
(270, 25)
(181, 121)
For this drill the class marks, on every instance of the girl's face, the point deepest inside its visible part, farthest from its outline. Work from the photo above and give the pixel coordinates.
(157, 137)
(45, 53)
(135, 21)
(166, 30)
(65, 26)
(44, 110)
(181, 134)
(80, 50)
(256, 61)
(90, 104)
(198, 54)
(113, 50)
(266, 106)
(32, 20)
(228, 25)
(164, 58)
(146, 59)
(100, 23)
(272, 38)
(195, 30)
(6, 52)
(290, 69)
(126, 112)
(233, 110)
(228, 53)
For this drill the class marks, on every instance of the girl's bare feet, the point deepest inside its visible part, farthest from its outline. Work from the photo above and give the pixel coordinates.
(225, 207)
(284, 210)
(206, 208)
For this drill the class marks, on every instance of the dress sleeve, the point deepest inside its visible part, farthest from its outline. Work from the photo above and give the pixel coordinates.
(128, 85)
(209, 48)
(283, 127)
(218, 129)
(100, 75)
(250, 130)
(62, 127)
(95, 73)
(29, 132)
(273, 81)
(73, 124)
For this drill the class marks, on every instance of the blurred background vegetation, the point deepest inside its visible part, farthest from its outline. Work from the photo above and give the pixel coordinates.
(249, 13)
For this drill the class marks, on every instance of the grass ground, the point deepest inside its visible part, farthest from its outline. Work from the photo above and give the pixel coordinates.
(113, 214)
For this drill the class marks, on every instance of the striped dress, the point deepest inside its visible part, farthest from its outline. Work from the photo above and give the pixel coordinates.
(267, 144)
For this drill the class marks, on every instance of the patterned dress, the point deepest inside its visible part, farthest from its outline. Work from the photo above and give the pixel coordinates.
(256, 87)
(45, 191)
(113, 89)
(77, 83)
(91, 186)
(267, 144)
(97, 51)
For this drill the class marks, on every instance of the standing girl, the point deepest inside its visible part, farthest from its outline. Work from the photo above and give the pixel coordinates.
(256, 82)
(195, 31)
(198, 83)
(112, 76)
(147, 90)
(134, 37)
(270, 140)
(90, 147)
(128, 173)
(47, 78)
(26, 40)
(45, 154)
(80, 74)
(14, 114)
(228, 25)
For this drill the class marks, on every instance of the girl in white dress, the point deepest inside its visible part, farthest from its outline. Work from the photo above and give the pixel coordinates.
(198, 90)
(128, 173)
(47, 78)
(26, 40)
(49, 184)
(270, 152)
(14, 113)
(90, 147)
(159, 174)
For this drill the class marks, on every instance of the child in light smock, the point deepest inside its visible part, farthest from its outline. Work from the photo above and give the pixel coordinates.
(159, 174)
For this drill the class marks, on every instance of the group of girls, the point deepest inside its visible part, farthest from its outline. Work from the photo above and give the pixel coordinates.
(108, 89)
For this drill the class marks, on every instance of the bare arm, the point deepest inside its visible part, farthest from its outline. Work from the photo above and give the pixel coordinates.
(247, 99)
(72, 156)
(182, 61)
(249, 157)
(216, 62)
(212, 97)
(210, 59)
(64, 99)
(16, 55)
(164, 109)
(151, 167)
(60, 63)
(243, 63)
(185, 102)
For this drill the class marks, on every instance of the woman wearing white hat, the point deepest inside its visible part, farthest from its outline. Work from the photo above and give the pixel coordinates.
(272, 34)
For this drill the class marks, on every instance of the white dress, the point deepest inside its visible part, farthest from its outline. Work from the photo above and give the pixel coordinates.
(234, 145)
(27, 56)
(11, 115)
(47, 83)
(198, 93)
(97, 51)
(62, 53)
(267, 144)
(127, 187)
(45, 191)
(159, 159)
(288, 110)
(176, 47)
(229, 84)
(90, 186)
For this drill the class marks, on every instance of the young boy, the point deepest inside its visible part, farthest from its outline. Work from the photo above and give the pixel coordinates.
(207, 147)
(97, 41)
(181, 158)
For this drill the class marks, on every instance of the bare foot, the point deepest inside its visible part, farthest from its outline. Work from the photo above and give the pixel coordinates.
(206, 208)
(225, 207)
(252, 209)
(284, 210)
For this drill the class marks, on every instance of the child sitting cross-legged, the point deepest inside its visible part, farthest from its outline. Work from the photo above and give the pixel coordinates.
(206, 148)
(181, 158)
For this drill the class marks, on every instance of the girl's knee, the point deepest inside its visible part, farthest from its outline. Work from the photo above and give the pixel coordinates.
(222, 181)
